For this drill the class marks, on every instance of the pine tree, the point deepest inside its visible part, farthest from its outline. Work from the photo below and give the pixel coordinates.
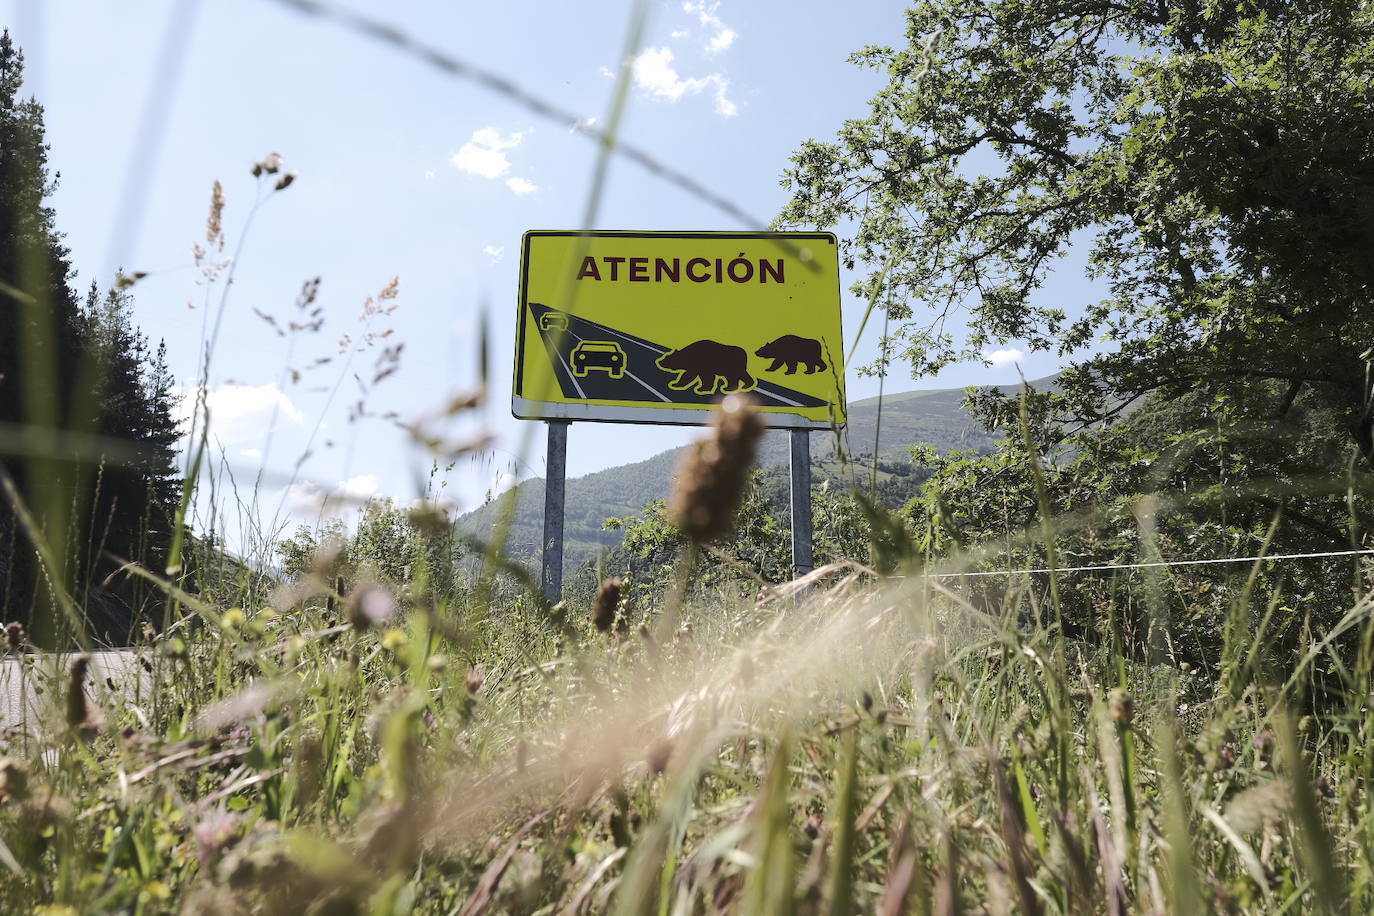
(86, 370)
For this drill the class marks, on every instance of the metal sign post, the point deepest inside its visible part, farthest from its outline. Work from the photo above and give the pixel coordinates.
(555, 477)
(801, 502)
(657, 327)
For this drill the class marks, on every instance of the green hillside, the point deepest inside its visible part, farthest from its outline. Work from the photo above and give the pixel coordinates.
(934, 416)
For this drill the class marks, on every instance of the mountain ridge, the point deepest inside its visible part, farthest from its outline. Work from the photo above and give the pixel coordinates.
(934, 416)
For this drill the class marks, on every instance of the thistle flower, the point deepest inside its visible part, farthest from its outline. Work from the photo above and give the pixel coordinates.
(476, 677)
(368, 606)
(711, 478)
(606, 604)
(213, 833)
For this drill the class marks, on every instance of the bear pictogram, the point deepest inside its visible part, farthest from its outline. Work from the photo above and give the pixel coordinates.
(705, 364)
(792, 351)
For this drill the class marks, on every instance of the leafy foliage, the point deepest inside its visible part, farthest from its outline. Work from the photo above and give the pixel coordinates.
(1211, 155)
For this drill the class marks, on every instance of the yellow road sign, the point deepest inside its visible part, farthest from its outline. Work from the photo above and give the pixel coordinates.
(657, 327)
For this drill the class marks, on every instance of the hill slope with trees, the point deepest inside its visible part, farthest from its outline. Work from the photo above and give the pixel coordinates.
(935, 417)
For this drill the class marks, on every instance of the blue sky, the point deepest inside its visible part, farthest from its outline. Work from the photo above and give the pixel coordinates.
(405, 171)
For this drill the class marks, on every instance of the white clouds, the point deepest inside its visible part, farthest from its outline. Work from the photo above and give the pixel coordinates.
(495, 252)
(1004, 357)
(484, 155)
(655, 74)
(722, 36)
(310, 500)
(359, 488)
(240, 414)
(724, 105)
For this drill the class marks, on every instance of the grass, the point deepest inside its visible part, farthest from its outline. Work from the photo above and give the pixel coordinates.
(358, 743)
(859, 746)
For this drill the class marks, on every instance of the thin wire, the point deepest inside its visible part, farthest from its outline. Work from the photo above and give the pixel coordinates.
(1064, 569)
(408, 44)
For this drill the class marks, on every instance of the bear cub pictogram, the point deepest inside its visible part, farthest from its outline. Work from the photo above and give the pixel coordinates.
(791, 350)
(706, 364)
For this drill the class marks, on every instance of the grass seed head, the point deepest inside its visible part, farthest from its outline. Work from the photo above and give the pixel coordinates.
(214, 224)
(606, 604)
(660, 752)
(369, 606)
(1122, 706)
(78, 710)
(711, 478)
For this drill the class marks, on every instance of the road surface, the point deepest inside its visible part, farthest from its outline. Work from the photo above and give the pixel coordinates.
(38, 680)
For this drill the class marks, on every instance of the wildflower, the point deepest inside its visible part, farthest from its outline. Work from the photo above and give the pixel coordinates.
(394, 639)
(157, 890)
(437, 662)
(369, 605)
(15, 635)
(284, 181)
(711, 478)
(607, 601)
(234, 618)
(214, 833)
(476, 678)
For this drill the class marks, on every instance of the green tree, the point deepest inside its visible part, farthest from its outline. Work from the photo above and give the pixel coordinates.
(1175, 480)
(1212, 156)
(65, 368)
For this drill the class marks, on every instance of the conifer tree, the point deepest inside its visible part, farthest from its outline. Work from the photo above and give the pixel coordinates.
(65, 368)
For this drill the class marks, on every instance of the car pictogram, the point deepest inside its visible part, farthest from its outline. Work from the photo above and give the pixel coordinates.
(553, 321)
(600, 355)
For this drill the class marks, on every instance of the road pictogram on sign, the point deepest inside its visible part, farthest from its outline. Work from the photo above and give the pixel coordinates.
(658, 327)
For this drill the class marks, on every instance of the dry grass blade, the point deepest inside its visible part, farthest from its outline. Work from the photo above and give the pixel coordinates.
(903, 874)
(491, 878)
(582, 900)
(1015, 837)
